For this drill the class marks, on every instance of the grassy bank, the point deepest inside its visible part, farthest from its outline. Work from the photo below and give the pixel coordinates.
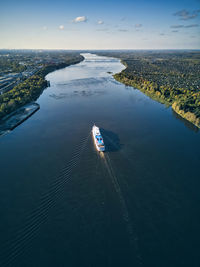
(183, 102)
(168, 76)
(146, 88)
(190, 116)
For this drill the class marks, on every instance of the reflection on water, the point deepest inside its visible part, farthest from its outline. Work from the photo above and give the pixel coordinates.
(86, 82)
(188, 124)
(83, 93)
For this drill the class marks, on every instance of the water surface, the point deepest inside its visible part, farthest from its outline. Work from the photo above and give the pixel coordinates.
(64, 204)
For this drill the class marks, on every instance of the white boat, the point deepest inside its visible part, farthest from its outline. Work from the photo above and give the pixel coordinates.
(98, 139)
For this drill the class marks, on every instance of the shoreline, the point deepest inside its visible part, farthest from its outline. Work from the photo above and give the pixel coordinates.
(30, 89)
(23, 111)
(17, 117)
(157, 96)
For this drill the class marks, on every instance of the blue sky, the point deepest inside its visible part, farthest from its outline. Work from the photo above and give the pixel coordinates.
(59, 24)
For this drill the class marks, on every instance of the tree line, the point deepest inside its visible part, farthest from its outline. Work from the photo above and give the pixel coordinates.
(171, 77)
(30, 89)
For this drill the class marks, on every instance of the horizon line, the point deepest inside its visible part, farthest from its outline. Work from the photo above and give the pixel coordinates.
(95, 49)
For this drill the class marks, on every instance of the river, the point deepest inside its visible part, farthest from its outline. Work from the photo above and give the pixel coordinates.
(64, 204)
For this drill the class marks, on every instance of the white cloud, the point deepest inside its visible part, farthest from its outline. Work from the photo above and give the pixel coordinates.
(138, 25)
(184, 26)
(44, 28)
(192, 26)
(176, 26)
(186, 15)
(102, 30)
(123, 30)
(61, 27)
(80, 19)
(100, 22)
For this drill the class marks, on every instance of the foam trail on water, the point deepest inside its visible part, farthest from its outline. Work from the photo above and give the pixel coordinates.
(131, 230)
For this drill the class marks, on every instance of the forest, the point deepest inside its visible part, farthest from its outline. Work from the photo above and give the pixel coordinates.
(170, 77)
(30, 89)
(21, 94)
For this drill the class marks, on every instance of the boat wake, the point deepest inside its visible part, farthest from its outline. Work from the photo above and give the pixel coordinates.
(19, 242)
(131, 229)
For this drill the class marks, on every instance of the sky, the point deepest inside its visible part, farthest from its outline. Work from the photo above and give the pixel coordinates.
(111, 24)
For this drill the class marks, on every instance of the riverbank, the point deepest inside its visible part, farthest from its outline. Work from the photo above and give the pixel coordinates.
(184, 105)
(149, 91)
(11, 121)
(50, 169)
(30, 89)
(191, 117)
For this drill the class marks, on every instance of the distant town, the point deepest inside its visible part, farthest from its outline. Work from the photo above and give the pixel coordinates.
(168, 76)
(22, 74)
(18, 65)
(171, 77)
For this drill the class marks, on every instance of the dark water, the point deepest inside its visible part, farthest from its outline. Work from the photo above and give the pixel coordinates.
(64, 204)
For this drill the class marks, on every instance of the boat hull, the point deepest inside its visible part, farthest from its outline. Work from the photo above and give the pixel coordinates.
(97, 136)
